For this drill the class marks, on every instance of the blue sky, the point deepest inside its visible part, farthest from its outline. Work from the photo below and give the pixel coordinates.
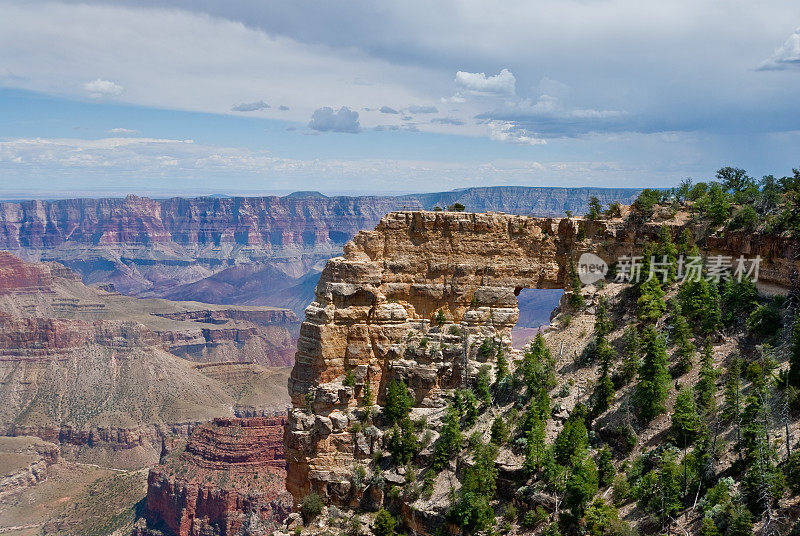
(361, 97)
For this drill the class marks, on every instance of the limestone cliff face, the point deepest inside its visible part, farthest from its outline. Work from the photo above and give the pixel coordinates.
(229, 479)
(376, 310)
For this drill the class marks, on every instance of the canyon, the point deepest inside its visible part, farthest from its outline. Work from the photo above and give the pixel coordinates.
(228, 478)
(415, 299)
(245, 251)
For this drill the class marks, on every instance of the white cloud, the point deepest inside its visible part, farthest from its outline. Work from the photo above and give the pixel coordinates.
(251, 106)
(785, 56)
(502, 84)
(189, 164)
(103, 88)
(123, 131)
(510, 132)
(447, 121)
(388, 110)
(327, 120)
(413, 109)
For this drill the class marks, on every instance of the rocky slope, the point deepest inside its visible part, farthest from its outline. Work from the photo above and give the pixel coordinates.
(414, 300)
(235, 250)
(228, 479)
(107, 375)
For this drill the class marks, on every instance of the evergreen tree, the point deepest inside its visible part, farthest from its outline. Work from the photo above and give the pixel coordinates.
(602, 323)
(471, 508)
(449, 442)
(384, 524)
(732, 411)
(499, 431)
(685, 420)
(794, 356)
(482, 382)
(502, 366)
(741, 523)
(669, 487)
(708, 527)
(706, 388)
(398, 402)
(595, 208)
(581, 484)
(573, 438)
(605, 467)
(576, 300)
(604, 391)
(653, 385)
(403, 444)
(763, 483)
(366, 394)
(681, 337)
(651, 303)
(535, 446)
(630, 356)
(538, 366)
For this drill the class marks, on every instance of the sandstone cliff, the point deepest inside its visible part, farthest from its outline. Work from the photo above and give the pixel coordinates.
(227, 480)
(414, 299)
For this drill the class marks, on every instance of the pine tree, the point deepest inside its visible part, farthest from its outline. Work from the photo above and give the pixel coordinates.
(573, 438)
(538, 366)
(685, 420)
(602, 323)
(794, 355)
(732, 411)
(681, 337)
(398, 402)
(605, 467)
(535, 446)
(502, 366)
(576, 300)
(604, 391)
(653, 385)
(595, 208)
(651, 303)
(449, 442)
(708, 527)
(366, 396)
(706, 388)
(581, 483)
(669, 487)
(630, 356)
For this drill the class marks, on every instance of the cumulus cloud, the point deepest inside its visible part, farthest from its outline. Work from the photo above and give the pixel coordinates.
(327, 120)
(388, 110)
(103, 88)
(510, 132)
(413, 109)
(250, 106)
(785, 56)
(549, 117)
(123, 131)
(447, 121)
(502, 84)
(283, 108)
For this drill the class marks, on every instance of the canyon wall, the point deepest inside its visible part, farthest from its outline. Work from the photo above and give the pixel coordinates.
(107, 376)
(228, 479)
(244, 250)
(415, 298)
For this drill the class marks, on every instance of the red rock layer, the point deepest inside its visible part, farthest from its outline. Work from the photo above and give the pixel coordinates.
(19, 276)
(230, 477)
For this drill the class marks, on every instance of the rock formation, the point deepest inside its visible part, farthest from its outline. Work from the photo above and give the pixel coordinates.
(414, 298)
(254, 250)
(228, 479)
(106, 376)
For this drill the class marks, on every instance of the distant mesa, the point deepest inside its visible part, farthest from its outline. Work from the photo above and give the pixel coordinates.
(303, 194)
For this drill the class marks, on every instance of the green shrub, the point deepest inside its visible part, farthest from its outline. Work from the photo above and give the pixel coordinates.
(349, 379)
(384, 524)
(312, 506)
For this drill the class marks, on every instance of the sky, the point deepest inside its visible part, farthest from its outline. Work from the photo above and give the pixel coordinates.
(106, 97)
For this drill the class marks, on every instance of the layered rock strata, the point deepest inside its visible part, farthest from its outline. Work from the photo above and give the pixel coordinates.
(227, 480)
(415, 298)
(243, 250)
